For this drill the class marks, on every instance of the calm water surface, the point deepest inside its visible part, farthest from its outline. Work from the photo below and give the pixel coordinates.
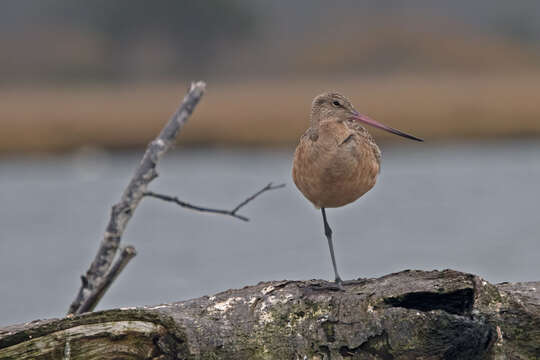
(472, 207)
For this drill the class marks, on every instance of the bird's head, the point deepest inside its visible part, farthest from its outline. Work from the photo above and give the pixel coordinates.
(334, 106)
(331, 105)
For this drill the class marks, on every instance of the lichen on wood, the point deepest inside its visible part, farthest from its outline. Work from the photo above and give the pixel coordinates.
(406, 315)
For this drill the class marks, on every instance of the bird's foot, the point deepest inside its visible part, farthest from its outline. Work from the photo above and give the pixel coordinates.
(359, 281)
(329, 286)
(339, 283)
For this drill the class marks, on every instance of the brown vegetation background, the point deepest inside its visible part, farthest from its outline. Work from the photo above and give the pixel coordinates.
(76, 74)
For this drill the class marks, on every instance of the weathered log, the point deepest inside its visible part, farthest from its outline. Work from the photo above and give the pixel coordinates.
(406, 315)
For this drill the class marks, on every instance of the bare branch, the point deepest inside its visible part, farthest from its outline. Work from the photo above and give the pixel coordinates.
(90, 303)
(186, 205)
(123, 211)
(266, 188)
(232, 212)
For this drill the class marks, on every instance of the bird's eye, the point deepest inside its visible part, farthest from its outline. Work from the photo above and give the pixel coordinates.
(336, 103)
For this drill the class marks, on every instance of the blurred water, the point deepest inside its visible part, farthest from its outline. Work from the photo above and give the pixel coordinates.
(471, 207)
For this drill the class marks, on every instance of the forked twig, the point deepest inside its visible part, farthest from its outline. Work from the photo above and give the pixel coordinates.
(94, 283)
(90, 303)
(232, 212)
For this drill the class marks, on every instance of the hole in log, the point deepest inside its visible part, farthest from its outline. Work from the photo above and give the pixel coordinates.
(457, 302)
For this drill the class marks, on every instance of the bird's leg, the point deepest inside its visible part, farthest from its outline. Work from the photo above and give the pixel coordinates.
(328, 233)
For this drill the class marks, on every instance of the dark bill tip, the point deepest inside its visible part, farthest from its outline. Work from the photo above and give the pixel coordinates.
(405, 135)
(367, 120)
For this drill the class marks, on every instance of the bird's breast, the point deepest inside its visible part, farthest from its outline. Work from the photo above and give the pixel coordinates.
(335, 173)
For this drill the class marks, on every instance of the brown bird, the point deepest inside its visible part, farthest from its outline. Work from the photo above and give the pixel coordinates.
(337, 160)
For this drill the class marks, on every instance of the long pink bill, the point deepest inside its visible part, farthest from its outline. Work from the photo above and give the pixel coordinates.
(367, 120)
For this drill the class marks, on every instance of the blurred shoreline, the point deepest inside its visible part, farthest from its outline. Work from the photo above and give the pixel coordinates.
(266, 112)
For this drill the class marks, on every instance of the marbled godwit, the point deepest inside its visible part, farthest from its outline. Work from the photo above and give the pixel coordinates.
(337, 160)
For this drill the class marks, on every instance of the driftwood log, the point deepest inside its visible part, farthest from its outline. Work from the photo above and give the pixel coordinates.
(406, 315)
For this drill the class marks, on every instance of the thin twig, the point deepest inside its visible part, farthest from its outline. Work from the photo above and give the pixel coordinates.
(123, 211)
(186, 205)
(232, 212)
(90, 303)
(266, 188)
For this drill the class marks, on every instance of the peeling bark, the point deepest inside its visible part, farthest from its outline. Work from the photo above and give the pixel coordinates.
(406, 315)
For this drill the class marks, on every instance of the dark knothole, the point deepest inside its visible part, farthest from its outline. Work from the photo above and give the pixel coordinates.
(457, 302)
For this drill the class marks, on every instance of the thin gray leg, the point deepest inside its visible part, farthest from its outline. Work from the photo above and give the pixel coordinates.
(328, 233)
